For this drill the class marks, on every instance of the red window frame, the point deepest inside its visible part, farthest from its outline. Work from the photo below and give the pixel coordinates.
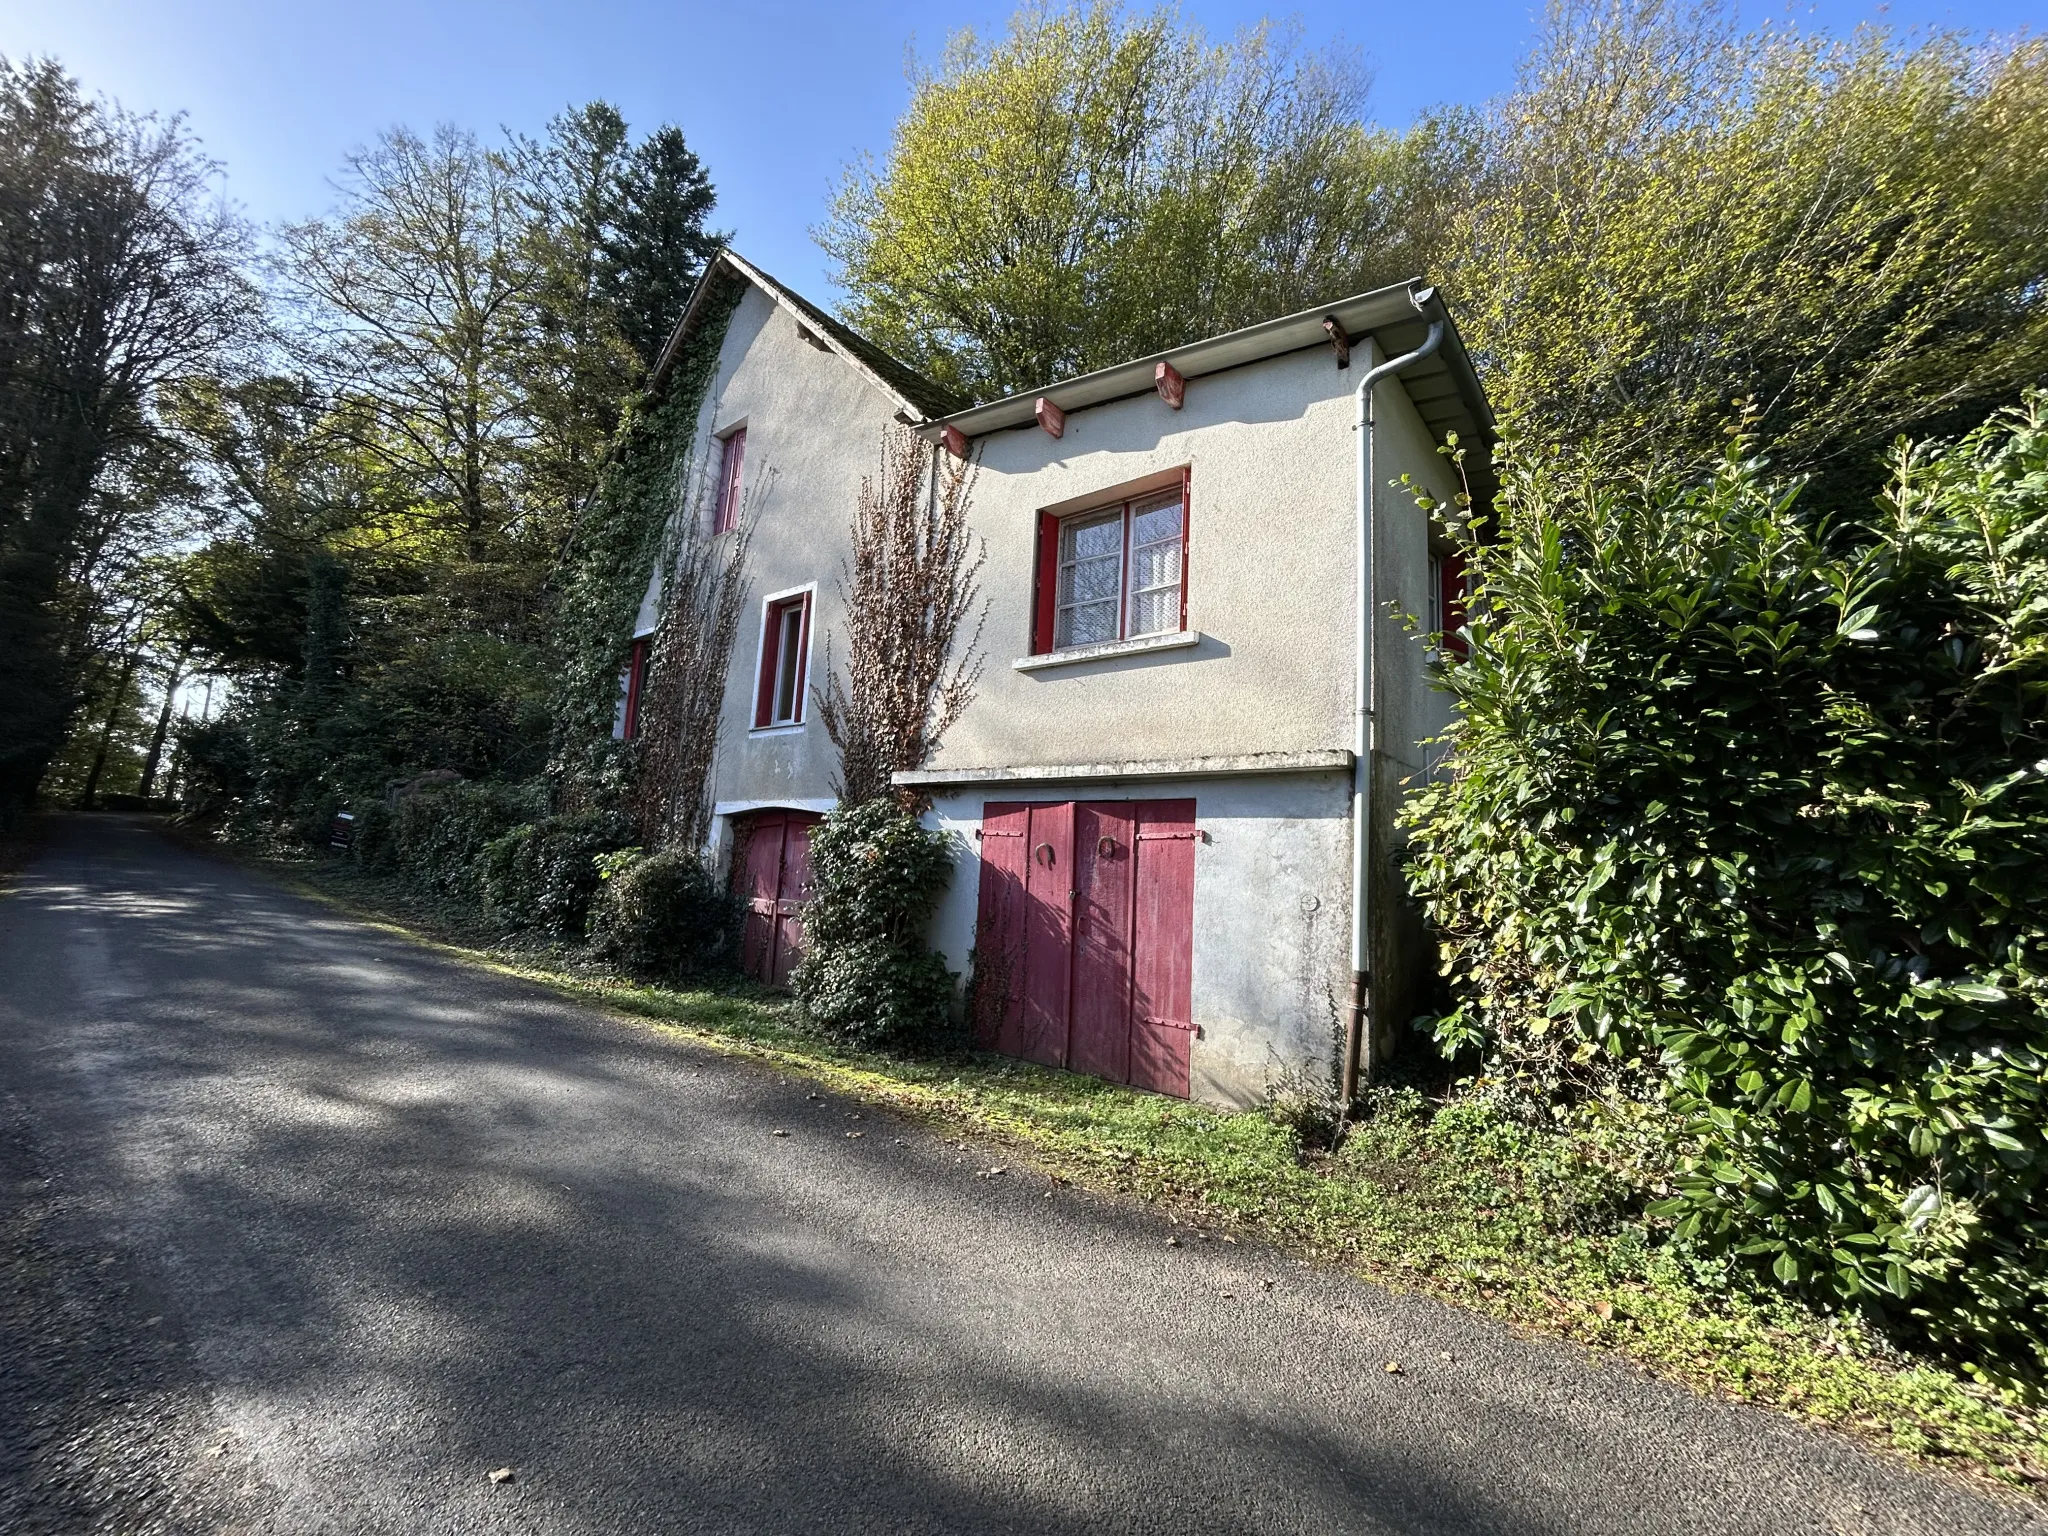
(636, 683)
(732, 453)
(1046, 594)
(1447, 572)
(773, 625)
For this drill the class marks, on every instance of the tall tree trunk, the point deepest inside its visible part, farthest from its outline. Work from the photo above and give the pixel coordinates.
(99, 758)
(163, 722)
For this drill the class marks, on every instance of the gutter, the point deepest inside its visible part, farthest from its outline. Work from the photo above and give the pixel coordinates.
(1366, 684)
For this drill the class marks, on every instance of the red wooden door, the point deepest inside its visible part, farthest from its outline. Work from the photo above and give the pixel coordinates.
(1162, 946)
(1099, 1036)
(1084, 943)
(999, 927)
(1041, 1030)
(773, 874)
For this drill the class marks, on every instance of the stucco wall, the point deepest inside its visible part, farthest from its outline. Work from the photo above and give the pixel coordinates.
(1272, 916)
(814, 427)
(1269, 448)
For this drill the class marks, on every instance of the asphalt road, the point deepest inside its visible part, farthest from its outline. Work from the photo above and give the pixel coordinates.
(308, 1229)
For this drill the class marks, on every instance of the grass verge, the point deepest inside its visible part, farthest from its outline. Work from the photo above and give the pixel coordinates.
(1458, 1204)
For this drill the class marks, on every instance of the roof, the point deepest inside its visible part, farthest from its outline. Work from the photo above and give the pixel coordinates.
(1443, 386)
(925, 398)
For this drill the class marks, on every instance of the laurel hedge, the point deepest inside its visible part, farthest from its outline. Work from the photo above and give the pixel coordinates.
(1745, 822)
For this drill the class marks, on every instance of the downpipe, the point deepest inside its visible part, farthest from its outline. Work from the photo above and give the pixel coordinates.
(1366, 689)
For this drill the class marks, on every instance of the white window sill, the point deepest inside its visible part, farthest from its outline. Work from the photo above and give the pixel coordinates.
(1144, 645)
(787, 728)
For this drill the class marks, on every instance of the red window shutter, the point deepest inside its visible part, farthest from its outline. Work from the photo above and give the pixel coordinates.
(636, 680)
(733, 453)
(803, 658)
(764, 690)
(1452, 598)
(1187, 507)
(1048, 583)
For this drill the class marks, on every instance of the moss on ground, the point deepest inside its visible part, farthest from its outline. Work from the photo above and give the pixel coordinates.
(1460, 1204)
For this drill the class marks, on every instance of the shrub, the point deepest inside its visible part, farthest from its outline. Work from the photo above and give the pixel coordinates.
(442, 831)
(866, 975)
(662, 915)
(1746, 820)
(543, 875)
(374, 843)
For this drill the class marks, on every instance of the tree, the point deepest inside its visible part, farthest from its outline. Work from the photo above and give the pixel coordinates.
(1667, 215)
(909, 595)
(1743, 836)
(657, 246)
(413, 316)
(1097, 185)
(118, 273)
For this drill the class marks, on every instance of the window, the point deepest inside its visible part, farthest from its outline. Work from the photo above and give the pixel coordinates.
(1447, 590)
(1115, 573)
(732, 449)
(636, 687)
(785, 637)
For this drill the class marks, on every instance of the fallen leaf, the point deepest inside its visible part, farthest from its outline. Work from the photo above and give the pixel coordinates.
(504, 1475)
(1393, 1368)
(994, 1171)
(1605, 1309)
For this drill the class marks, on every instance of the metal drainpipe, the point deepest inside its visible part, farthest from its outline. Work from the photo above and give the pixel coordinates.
(1367, 685)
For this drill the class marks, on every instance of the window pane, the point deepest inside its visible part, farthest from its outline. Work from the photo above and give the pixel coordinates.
(1083, 538)
(1090, 581)
(1155, 613)
(1155, 566)
(1086, 624)
(1150, 524)
(788, 662)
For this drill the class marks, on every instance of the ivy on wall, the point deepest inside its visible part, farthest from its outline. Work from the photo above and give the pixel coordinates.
(617, 541)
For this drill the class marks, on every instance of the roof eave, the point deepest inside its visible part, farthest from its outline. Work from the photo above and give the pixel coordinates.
(1362, 314)
(736, 265)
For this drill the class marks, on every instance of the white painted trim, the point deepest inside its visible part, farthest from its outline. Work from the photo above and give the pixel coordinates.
(744, 807)
(1109, 650)
(809, 592)
(1329, 761)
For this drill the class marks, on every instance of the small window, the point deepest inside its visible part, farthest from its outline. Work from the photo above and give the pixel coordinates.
(1447, 593)
(636, 687)
(785, 638)
(732, 451)
(1116, 573)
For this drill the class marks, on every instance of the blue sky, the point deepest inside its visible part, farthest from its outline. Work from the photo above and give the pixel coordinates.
(775, 97)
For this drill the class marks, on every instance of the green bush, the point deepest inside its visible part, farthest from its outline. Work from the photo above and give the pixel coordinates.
(543, 875)
(662, 915)
(1746, 821)
(866, 975)
(374, 844)
(442, 831)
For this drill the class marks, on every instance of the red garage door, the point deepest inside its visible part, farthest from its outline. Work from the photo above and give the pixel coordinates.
(772, 873)
(1085, 937)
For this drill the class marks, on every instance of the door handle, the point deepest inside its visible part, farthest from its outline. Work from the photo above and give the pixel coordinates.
(1105, 847)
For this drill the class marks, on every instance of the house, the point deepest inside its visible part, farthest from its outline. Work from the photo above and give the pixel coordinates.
(1174, 793)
